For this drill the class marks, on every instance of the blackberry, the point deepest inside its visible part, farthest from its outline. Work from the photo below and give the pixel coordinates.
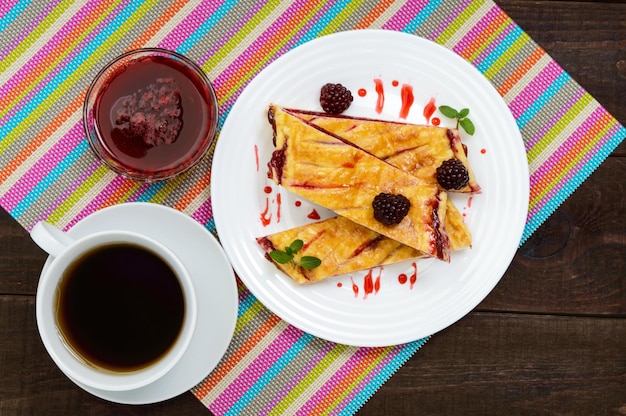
(452, 174)
(335, 98)
(152, 114)
(389, 209)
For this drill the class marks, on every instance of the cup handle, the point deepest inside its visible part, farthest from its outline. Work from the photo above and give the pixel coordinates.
(52, 240)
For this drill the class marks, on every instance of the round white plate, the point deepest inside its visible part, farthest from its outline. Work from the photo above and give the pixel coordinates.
(213, 279)
(338, 309)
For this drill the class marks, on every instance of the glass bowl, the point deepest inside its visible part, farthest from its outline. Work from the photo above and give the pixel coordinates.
(150, 115)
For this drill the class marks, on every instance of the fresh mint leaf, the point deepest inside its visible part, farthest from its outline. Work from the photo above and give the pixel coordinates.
(284, 257)
(281, 257)
(309, 262)
(468, 126)
(296, 245)
(448, 111)
(461, 118)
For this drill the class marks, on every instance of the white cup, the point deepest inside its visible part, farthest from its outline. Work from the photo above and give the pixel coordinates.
(64, 252)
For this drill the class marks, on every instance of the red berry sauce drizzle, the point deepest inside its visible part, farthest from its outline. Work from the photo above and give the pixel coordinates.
(275, 203)
(370, 283)
(266, 216)
(407, 100)
(429, 109)
(467, 206)
(355, 287)
(403, 278)
(380, 92)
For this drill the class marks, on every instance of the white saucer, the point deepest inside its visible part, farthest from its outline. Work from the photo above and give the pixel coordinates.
(213, 279)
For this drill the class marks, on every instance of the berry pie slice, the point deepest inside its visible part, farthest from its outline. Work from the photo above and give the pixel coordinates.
(413, 148)
(344, 246)
(336, 174)
(417, 149)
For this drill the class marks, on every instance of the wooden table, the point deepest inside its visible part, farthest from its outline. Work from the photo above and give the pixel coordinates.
(550, 339)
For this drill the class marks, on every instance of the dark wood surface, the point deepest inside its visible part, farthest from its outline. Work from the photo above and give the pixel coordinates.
(549, 340)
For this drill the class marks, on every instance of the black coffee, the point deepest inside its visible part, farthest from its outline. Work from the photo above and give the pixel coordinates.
(120, 307)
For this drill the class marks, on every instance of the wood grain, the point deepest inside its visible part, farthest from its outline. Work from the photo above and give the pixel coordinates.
(549, 340)
(576, 262)
(516, 364)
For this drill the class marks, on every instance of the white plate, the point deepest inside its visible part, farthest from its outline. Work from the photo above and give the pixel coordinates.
(443, 293)
(213, 279)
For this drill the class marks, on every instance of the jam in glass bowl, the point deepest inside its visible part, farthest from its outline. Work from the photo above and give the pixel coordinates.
(150, 115)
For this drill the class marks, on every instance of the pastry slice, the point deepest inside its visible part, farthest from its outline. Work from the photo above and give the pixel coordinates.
(336, 174)
(344, 246)
(458, 233)
(416, 149)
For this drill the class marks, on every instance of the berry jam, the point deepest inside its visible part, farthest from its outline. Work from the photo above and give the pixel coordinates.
(154, 114)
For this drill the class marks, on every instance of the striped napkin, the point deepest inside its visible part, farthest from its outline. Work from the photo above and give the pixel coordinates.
(50, 51)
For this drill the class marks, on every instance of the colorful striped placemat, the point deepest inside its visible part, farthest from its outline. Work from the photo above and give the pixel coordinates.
(50, 51)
